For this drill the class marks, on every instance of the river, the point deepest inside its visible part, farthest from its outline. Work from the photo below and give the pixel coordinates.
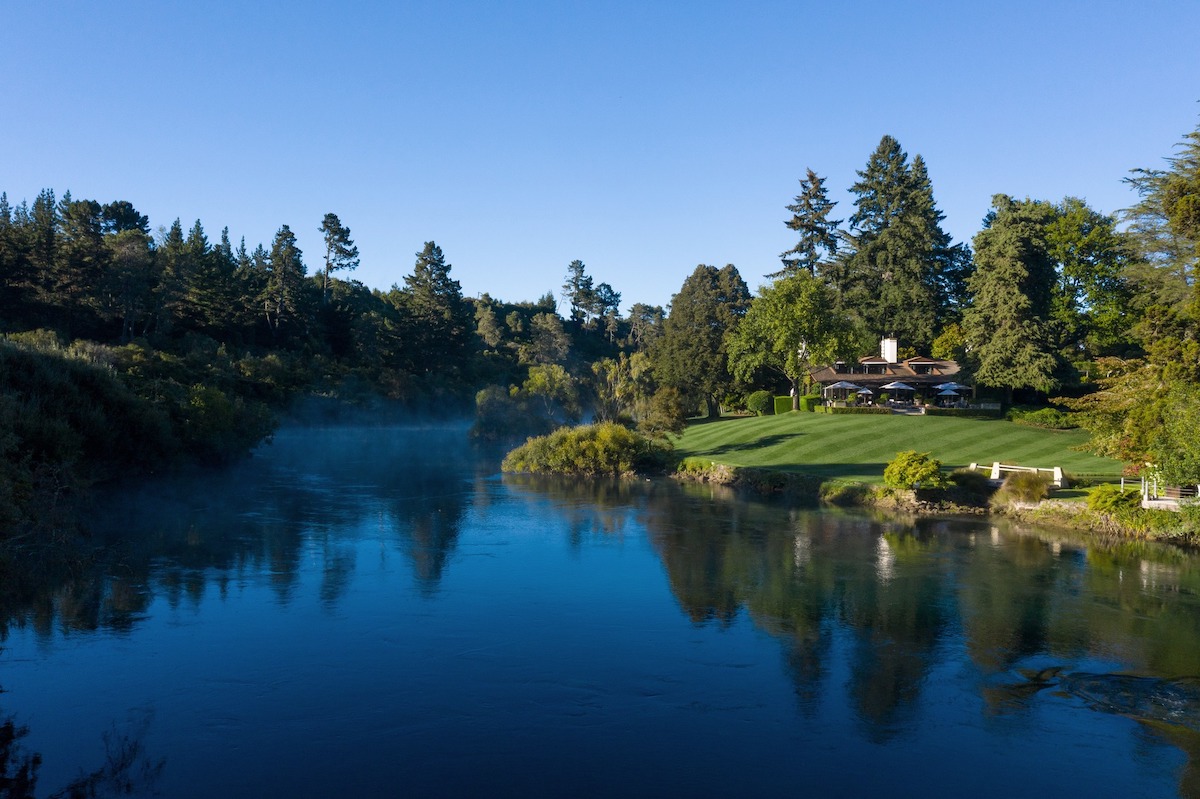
(379, 612)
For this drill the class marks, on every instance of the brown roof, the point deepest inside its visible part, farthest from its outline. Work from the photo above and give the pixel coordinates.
(940, 371)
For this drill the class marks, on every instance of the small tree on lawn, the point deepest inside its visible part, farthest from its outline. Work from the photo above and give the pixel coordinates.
(912, 469)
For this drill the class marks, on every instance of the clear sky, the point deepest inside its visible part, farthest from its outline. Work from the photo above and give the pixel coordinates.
(642, 138)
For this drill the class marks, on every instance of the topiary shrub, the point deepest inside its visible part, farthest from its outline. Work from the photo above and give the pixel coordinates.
(912, 469)
(810, 401)
(760, 403)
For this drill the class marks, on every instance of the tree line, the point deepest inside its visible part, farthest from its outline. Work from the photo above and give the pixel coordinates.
(1051, 298)
(1099, 313)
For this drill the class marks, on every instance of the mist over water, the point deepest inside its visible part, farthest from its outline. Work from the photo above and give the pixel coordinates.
(379, 612)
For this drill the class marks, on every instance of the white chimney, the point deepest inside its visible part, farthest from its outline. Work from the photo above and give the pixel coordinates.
(887, 348)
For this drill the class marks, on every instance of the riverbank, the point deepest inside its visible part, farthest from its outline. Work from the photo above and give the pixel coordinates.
(1073, 515)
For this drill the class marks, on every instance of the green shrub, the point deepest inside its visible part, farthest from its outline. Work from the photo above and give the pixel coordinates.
(218, 429)
(667, 414)
(912, 469)
(972, 483)
(587, 450)
(41, 340)
(1109, 498)
(857, 409)
(1047, 418)
(967, 413)
(1024, 487)
(760, 403)
(809, 401)
(783, 404)
(845, 494)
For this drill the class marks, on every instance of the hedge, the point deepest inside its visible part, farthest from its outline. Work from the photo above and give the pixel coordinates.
(969, 413)
(810, 401)
(852, 409)
(783, 404)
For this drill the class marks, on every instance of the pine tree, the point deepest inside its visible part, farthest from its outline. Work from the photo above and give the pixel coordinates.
(579, 292)
(80, 261)
(282, 295)
(119, 216)
(439, 321)
(818, 233)
(340, 251)
(42, 243)
(129, 283)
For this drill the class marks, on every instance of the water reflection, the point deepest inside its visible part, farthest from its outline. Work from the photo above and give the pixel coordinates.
(299, 498)
(885, 616)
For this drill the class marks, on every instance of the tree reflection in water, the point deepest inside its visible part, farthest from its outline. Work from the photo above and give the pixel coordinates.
(904, 589)
(175, 537)
(862, 606)
(128, 769)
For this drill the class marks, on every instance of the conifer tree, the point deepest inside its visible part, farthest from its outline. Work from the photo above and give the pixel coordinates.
(284, 281)
(579, 292)
(439, 320)
(171, 284)
(818, 233)
(900, 273)
(691, 353)
(78, 266)
(1006, 326)
(340, 250)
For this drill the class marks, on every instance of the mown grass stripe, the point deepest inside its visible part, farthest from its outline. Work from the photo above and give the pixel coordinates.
(857, 447)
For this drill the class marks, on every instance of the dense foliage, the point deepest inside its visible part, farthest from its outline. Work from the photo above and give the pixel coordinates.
(588, 450)
(912, 469)
(760, 402)
(1048, 418)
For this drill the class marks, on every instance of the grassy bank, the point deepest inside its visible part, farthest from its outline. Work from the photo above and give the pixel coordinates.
(858, 448)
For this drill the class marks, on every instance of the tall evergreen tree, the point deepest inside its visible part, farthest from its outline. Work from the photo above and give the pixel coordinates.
(42, 243)
(900, 273)
(119, 216)
(579, 292)
(952, 263)
(79, 265)
(282, 295)
(691, 353)
(818, 233)
(440, 322)
(1012, 289)
(129, 283)
(340, 250)
(171, 285)
(645, 324)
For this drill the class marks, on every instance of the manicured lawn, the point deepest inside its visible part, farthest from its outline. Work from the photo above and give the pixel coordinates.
(859, 447)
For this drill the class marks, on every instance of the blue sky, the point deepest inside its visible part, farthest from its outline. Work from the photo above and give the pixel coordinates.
(640, 137)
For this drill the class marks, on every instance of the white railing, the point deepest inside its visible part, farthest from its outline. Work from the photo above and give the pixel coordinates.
(999, 470)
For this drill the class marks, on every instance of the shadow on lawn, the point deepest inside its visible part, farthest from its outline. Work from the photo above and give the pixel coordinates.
(758, 443)
(835, 470)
